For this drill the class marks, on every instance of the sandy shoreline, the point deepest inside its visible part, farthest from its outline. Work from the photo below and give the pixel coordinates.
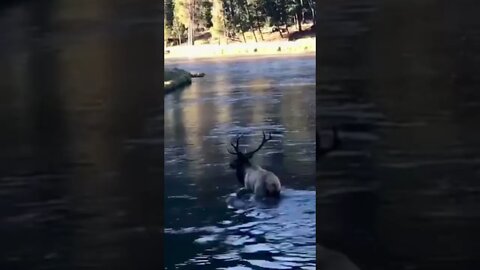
(302, 46)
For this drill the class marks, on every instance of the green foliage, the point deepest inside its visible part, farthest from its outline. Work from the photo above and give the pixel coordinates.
(168, 13)
(178, 30)
(205, 13)
(258, 12)
(233, 17)
(181, 11)
(167, 30)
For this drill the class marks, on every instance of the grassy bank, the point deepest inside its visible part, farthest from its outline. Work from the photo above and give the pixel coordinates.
(175, 78)
(300, 46)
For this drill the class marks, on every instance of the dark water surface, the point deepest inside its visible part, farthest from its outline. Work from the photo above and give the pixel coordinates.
(240, 96)
(80, 81)
(401, 79)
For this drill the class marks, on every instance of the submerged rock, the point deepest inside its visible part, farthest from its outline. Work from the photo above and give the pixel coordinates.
(176, 78)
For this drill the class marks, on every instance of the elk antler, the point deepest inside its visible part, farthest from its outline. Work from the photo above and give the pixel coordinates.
(264, 140)
(235, 146)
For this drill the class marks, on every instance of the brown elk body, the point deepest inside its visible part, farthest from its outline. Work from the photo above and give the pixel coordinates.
(262, 182)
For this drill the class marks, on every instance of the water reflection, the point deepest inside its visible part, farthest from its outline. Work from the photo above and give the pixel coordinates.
(69, 114)
(235, 97)
(402, 192)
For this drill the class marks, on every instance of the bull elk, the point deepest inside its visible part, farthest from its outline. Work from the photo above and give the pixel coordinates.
(253, 178)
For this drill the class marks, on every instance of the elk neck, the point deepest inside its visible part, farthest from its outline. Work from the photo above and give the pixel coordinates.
(240, 172)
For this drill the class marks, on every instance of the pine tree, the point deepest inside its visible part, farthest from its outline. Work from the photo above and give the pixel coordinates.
(184, 11)
(218, 19)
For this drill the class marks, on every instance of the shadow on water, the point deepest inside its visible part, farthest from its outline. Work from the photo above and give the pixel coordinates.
(240, 96)
(400, 79)
(74, 192)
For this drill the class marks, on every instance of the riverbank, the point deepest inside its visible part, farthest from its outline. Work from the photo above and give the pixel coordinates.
(301, 46)
(175, 78)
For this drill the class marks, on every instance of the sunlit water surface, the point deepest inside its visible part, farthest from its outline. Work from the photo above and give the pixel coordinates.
(205, 226)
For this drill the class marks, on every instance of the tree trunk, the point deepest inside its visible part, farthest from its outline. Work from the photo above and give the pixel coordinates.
(313, 16)
(255, 36)
(244, 39)
(224, 26)
(191, 23)
(190, 35)
(260, 31)
(299, 21)
(310, 3)
(251, 22)
(302, 12)
(280, 31)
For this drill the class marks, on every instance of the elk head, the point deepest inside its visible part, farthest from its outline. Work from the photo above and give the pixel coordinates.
(243, 159)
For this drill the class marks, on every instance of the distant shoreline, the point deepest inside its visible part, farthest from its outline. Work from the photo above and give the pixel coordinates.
(298, 47)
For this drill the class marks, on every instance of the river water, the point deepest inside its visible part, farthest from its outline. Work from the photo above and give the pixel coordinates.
(80, 167)
(248, 96)
(400, 79)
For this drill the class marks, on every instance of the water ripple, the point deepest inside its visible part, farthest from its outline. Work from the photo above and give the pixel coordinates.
(284, 233)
